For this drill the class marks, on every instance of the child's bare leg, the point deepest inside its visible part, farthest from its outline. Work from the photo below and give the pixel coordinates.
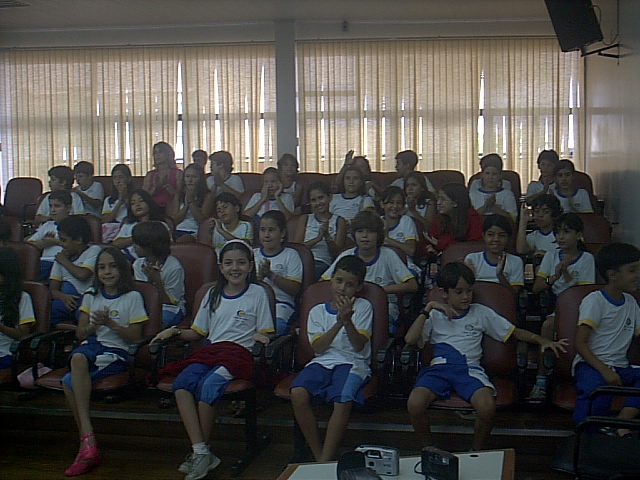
(418, 403)
(301, 402)
(207, 414)
(485, 406)
(189, 414)
(335, 430)
(546, 331)
(80, 396)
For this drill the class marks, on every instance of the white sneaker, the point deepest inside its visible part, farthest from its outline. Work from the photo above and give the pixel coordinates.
(538, 394)
(185, 467)
(201, 465)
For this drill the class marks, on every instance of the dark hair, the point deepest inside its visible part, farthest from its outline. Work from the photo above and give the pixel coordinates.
(614, 256)
(127, 282)
(222, 157)
(353, 168)
(452, 272)
(83, 167)
(572, 221)
(456, 220)
(550, 155)
(155, 212)
(369, 220)
(228, 197)
(491, 160)
(391, 191)
(272, 171)
(288, 156)
(63, 196)
(409, 157)
(201, 187)
(62, 173)
(215, 293)
(499, 221)
(550, 201)
(323, 187)
(200, 152)
(5, 231)
(121, 167)
(354, 265)
(74, 227)
(365, 175)
(153, 237)
(11, 288)
(425, 195)
(565, 164)
(167, 147)
(278, 217)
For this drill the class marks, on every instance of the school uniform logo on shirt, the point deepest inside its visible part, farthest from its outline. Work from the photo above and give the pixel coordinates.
(378, 280)
(279, 266)
(240, 313)
(468, 327)
(114, 313)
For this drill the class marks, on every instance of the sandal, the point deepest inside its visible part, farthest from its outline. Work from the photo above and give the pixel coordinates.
(88, 457)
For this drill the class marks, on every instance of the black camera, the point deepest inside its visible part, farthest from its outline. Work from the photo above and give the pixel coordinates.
(438, 464)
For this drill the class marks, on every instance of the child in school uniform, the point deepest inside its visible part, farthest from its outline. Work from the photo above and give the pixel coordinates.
(494, 264)
(60, 179)
(72, 272)
(271, 197)
(228, 225)
(233, 316)
(406, 162)
(492, 197)
(46, 237)
(90, 190)
(400, 230)
(339, 332)
(221, 178)
(156, 265)
(572, 198)
(114, 208)
(288, 167)
(546, 209)
(352, 197)
(608, 320)
(456, 329)
(421, 203)
(189, 206)
(548, 161)
(384, 266)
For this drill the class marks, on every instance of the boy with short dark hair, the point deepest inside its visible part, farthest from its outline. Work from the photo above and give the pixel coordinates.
(456, 329)
(406, 162)
(572, 198)
(221, 178)
(90, 190)
(46, 237)
(201, 158)
(60, 178)
(339, 332)
(609, 319)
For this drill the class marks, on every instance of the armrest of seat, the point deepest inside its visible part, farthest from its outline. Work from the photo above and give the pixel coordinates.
(20, 343)
(616, 391)
(275, 347)
(409, 356)
(136, 346)
(598, 421)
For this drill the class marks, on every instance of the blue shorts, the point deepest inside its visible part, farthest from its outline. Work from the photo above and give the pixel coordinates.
(336, 385)
(284, 314)
(103, 361)
(170, 318)
(441, 379)
(588, 379)
(6, 361)
(206, 384)
(182, 233)
(61, 313)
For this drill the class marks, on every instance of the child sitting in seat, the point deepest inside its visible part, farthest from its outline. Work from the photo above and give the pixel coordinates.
(156, 265)
(73, 269)
(322, 231)
(456, 329)
(339, 332)
(546, 209)
(406, 162)
(421, 203)
(400, 230)
(572, 198)
(221, 178)
(491, 197)
(60, 179)
(546, 184)
(384, 266)
(228, 225)
(352, 197)
(90, 190)
(46, 237)
(189, 206)
(114, 208)
(279, 266)
(288, 167)
(271, 197)
(609, 319)
(495, 264)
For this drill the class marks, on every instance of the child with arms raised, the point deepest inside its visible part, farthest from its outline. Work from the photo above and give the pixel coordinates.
(73, 269)
(279, 266)
(156, 265)
(228, 225)
(495, 264)
(609, 319)
(546, 209)
(340, 334)
(321, 231)
(384, 266)
(455, 328)
(111, 318)
(232, 316)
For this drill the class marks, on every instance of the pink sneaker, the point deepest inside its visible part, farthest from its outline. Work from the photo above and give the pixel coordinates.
(88, 457)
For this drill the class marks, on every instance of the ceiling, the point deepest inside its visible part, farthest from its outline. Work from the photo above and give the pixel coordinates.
(52, 15)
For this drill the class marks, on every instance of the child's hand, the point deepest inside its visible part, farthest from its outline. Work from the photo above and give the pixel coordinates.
(445, 308)
(323, 231)
(557, 347)
(432, 240)
(62, 258)
(279, 190)
(70, 301)
(265, 191)
(490, 201)
(264, 270)
(261, 337)
(212, 223)
(612, 378)
(100, 317)
(345, 307)
(502, 260)
(348, 158)
(153, 272)
(525, 213)
(165, 334)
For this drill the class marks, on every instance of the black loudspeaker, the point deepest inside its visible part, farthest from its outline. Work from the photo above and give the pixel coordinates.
(575, 23)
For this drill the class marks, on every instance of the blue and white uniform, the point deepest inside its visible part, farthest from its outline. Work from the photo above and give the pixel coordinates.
(77, 206)
(579, 202)
(539, 241)
(172, 275)
(348, 208)
(582, 269)
(25, 317)
(485, 271)
(504, 199)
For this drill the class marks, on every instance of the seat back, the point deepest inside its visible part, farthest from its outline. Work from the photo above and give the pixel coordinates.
(107, 183)
(512, 176)
(29, 256)
(308, 265)
(596, 228)
(200, 266)
(41, 299)
(497, 358)
(96, 228)
(383, 179)
(439, 178)
(321, 293)
(15, 225)
(251, 181)
(21, 196)
(153, 306)
(457, 251)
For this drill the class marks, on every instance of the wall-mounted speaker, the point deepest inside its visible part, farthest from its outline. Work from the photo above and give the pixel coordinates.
(575, 23)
